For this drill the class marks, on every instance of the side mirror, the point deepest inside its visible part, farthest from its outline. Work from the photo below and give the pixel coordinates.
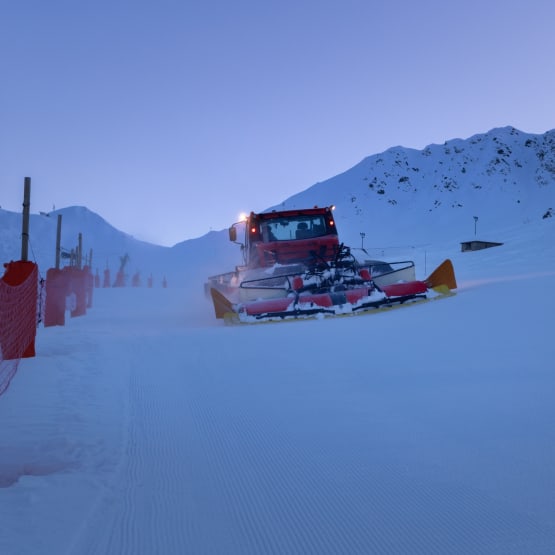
(233, 234)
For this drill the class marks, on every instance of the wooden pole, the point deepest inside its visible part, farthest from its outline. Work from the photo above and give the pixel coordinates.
(58, 241)
(80, 251)
(25, 227)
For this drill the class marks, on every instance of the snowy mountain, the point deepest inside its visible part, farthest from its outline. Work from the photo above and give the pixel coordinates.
(504, 175)
(106, 242)
(401, 200)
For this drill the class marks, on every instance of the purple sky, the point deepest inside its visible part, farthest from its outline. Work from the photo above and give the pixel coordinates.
(169, 118)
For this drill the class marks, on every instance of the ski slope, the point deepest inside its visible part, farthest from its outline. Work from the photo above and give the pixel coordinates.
(147, 427)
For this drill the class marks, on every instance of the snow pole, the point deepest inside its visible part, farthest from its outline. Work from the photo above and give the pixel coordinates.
(58, 241)
(80, 250)
(25, 226)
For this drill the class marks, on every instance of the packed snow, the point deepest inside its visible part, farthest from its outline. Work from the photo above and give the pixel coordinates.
(147, 426)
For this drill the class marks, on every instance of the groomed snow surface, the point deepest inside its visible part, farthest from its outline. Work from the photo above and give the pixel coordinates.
(148, 427)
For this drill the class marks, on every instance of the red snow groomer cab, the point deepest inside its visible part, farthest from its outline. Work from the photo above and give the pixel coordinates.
(295, 267)
(289, 237)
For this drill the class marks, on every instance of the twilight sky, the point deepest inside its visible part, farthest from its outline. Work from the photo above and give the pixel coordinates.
(170, 117)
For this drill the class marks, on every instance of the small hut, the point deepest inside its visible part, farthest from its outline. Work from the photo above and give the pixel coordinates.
(478, 245)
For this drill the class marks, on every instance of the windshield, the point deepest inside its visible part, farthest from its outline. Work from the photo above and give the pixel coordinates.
(298, 227)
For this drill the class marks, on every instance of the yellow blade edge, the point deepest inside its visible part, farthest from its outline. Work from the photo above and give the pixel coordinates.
(442, 289)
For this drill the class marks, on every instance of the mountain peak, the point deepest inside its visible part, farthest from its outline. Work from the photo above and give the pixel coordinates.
(503, 175)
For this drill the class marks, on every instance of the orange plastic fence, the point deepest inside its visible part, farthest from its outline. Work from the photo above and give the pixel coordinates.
(18, 317)
(70, 289)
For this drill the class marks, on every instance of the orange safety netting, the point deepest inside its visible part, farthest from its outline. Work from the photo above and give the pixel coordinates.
(70, 288)
(18, 317)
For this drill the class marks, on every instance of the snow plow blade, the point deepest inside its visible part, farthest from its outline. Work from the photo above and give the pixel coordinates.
(443, 277)
(222, 305)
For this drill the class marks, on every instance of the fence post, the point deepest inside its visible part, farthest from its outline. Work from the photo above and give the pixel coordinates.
(25, 227)
(58, 241)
